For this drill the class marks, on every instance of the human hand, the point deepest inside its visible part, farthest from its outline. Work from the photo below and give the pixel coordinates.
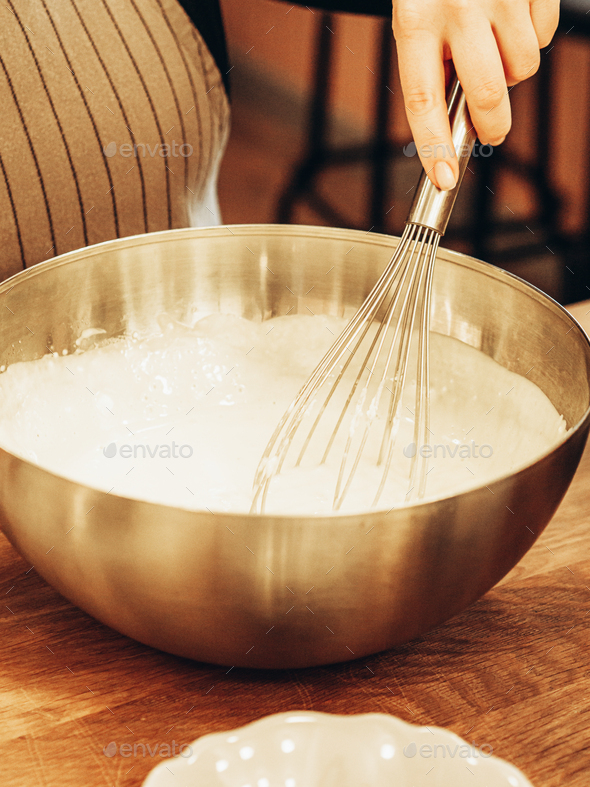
(492, 44)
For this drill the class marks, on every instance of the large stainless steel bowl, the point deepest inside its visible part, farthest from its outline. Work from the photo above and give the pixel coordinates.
(235, 589)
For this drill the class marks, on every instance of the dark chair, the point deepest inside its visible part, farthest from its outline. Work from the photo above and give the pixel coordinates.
(321, 156)
(479, 232)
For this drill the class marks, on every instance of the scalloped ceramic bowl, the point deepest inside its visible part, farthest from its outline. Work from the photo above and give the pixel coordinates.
(301, 749)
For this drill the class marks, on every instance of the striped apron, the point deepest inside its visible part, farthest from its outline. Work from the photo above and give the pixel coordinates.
(113, 121)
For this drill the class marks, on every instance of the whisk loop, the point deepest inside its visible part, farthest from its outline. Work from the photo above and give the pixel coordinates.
(399, 306)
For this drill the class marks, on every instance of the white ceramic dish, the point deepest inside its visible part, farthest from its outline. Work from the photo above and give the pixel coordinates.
(301, 749)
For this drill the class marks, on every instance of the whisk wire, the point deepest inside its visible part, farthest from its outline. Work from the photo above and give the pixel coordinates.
(406, 326)
(406, 286)
(403, 289)
(297, 408)
(395, 266)
(422, 426)
(399, 303)
(396, 394)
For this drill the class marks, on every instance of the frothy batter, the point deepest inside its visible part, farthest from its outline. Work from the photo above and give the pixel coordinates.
(183, 417)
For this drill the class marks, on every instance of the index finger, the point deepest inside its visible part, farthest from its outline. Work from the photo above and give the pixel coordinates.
(422, 77)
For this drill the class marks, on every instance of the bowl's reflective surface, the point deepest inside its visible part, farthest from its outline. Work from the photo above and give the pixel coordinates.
(235, 589)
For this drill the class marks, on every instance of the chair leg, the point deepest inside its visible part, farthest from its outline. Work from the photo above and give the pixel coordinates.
(549, 203)
(483, 213)
(380, 153)
(305, 171)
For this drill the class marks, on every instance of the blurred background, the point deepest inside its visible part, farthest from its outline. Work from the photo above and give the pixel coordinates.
(319, 136)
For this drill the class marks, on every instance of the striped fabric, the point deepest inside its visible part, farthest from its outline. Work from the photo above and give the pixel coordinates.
(113, 120)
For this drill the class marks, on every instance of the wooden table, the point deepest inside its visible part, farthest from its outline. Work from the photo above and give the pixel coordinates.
(512, 672)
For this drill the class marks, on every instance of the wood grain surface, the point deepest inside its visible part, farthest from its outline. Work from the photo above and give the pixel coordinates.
(513, 672)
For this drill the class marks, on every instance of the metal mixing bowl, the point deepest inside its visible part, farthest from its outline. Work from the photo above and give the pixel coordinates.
(235, 589)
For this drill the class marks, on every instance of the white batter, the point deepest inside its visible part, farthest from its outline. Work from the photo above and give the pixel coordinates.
(182, 418)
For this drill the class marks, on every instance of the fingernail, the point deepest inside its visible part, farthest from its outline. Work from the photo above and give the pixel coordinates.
(444, 176)
(493, 144)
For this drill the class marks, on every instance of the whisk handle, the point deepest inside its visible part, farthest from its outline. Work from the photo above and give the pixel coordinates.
(431, 206)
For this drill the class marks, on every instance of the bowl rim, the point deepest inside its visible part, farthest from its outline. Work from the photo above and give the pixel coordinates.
(302, 230)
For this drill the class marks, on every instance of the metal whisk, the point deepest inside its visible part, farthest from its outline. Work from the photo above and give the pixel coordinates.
(401, 298)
